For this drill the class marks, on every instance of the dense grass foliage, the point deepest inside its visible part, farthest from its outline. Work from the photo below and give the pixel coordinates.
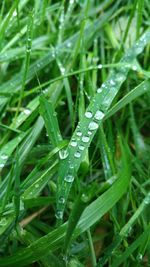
(74, 133)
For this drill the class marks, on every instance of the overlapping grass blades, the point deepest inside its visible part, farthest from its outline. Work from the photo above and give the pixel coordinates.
(90, 216)
(76, 45)
(89, 124)
(14, 84)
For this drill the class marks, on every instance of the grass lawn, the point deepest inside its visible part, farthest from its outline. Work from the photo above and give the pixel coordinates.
(75, 133)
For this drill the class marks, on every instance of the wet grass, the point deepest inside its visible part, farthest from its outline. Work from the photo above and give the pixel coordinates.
(74, 133)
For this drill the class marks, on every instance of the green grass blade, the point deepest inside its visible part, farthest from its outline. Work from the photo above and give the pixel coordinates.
(49, 115)
(74, 217)
(39, 184)
(17, 188)
(139, 90)
(8, 149)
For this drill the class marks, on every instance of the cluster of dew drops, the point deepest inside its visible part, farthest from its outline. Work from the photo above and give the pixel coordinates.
(80, 140)
(79, 143)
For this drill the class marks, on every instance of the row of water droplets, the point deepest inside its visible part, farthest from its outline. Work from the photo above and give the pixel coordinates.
(80, 141)
(79, 145)
(3, 159)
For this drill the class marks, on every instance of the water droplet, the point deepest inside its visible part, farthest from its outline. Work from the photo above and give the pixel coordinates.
(89, 133)
(84, 197)
(62, 69)
(95, 59)
(38, 65)
(69, 44)
(138, 49)
(4, 156)
(112, 82)
(99, 115)
(27, 111)
(61, 200)
(53, 54)
(88, 114)
(93, 126)
(2, 165)
(78, 133)
(73, 143)
(14, 13)
(85, 139)
(37, 185)
(130, 230)
(147, 199)
(59, 214)
(63, 154)
(71, 2)
(134, 67)
(45, 91)
(77, 154)
(100, 66)
(69, 178)
(81, 147)
(111, 180)
(120, 77)
(71, 166)
(139, 257)
(99, 90)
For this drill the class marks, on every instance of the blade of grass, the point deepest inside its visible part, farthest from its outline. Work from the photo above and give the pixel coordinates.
(49, 115)
(139, 90)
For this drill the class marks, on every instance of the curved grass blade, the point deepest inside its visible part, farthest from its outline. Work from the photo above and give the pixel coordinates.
(27, 60)
(25, 148)
(16, 190)
(39, 184)
(6, 20)
(106, 155)
(89, 124)
(8, 149)
(142, 88)
(49, 115)
(74, 217)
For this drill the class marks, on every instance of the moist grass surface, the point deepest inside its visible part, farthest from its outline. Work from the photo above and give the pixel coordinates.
(74, 133)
